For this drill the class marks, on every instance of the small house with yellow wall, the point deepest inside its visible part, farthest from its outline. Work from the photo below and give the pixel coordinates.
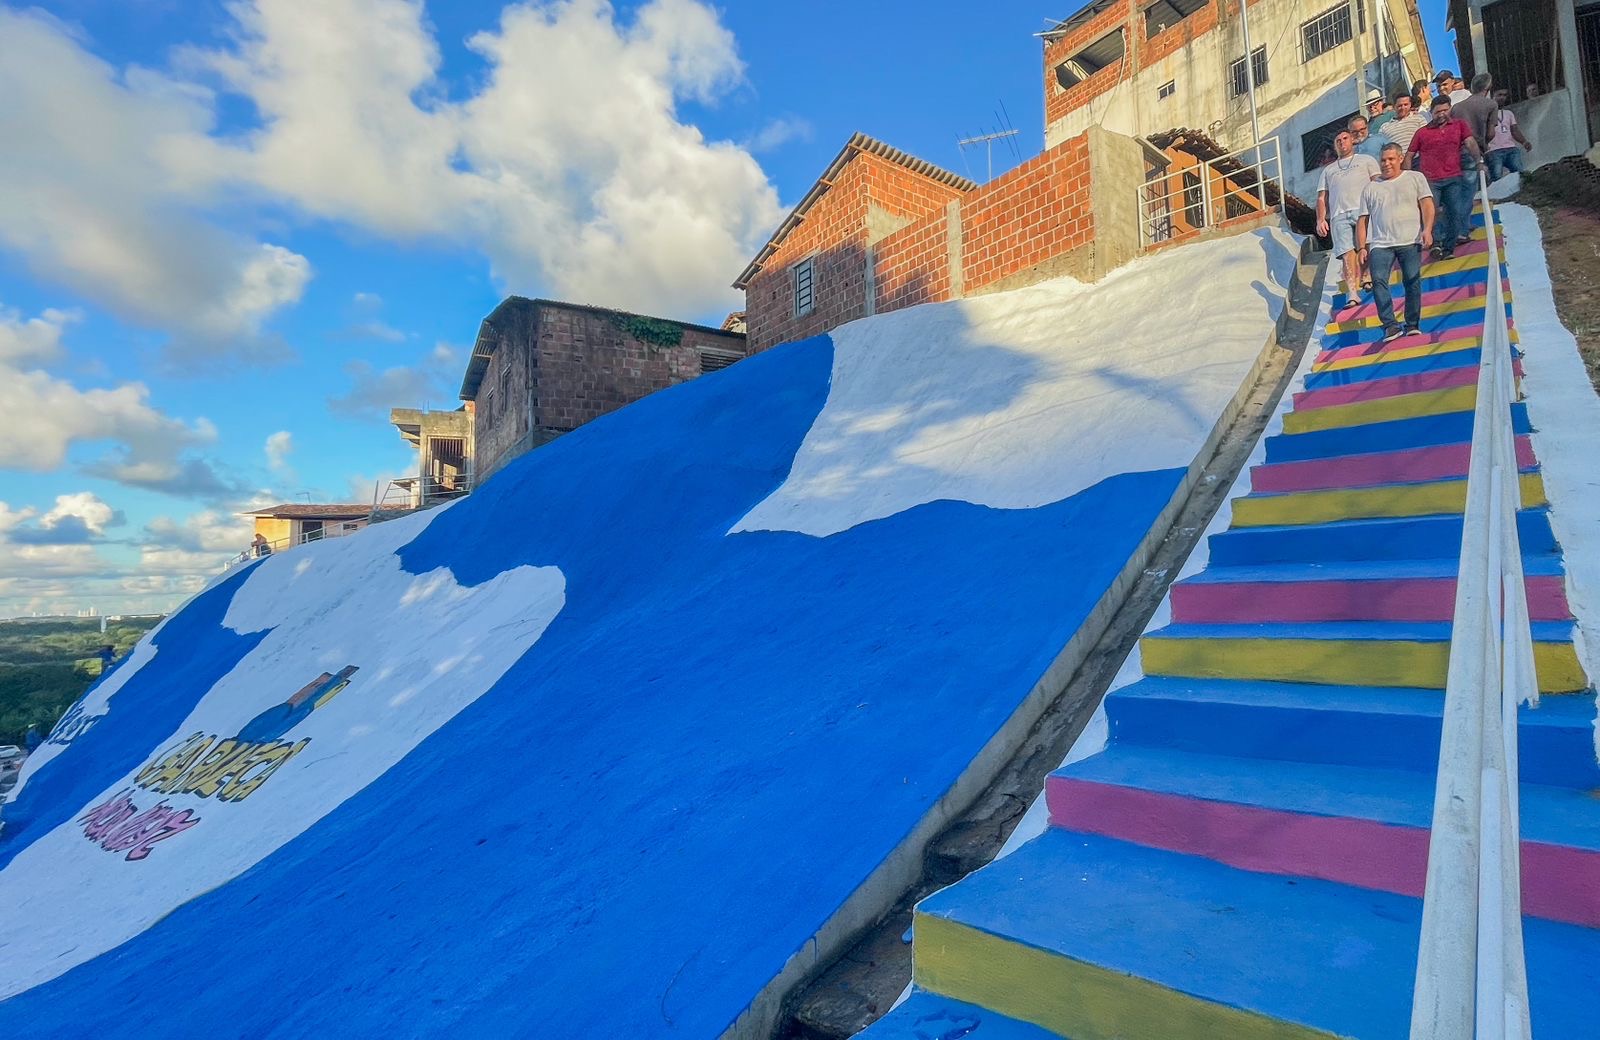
(295, 523)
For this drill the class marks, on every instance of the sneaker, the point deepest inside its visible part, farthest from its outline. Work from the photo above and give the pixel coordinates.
(1393, 332)
(1436, 252)
(1463, 240)
(1412, 330)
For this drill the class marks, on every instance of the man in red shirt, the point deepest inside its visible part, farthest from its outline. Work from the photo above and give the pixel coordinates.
(1436, 151)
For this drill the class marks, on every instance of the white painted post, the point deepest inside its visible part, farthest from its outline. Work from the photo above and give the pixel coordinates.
(1250, 69)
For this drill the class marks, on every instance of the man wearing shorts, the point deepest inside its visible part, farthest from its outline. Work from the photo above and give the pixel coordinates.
(1339, 205)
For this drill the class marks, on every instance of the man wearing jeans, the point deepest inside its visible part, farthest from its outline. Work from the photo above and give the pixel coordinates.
(1394, 227)
(1436, 150)
(1506, 144)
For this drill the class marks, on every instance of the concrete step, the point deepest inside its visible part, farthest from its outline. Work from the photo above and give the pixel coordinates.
(1091, 937)
(1460, 398)
(1406, 466)
(1359, 503)
(1402, 538)
(1376, 727)
(929, 1016)
(1470, 289)
(1412, 590)
(1362, 361)
(1352, 653)
(1383, 387)
(1354, 825)
(1416, 432)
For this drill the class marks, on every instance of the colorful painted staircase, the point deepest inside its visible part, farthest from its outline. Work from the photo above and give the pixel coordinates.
(1246, 857)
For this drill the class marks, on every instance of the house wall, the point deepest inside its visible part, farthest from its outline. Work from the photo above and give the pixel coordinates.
(554, 368)
(1068, 210)
(273, 529)
(1195, 56)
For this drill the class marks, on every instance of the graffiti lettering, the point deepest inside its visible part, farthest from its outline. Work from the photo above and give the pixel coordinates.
(117, 825)
(225, 768)
(73, 725)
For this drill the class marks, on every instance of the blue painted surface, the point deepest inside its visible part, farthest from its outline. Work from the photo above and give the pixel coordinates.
(1416, 432)
(607, 842)
(1378, 727)
(1430, 324)
(1560, 815)
(1313, 952)
(928, 1016)
(1359, 570)
(1389, 538)
(1395, 631)
(1392, 369)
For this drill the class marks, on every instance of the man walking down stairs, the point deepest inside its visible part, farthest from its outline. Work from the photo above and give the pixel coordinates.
(1246, 857)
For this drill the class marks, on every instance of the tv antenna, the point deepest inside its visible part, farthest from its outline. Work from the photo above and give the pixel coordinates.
(1003, 131)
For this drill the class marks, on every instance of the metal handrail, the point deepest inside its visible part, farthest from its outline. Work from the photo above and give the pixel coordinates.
(1156, 211)
(1472, 978)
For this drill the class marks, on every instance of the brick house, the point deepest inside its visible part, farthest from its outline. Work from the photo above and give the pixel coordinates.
(541, 368)
(881, 230)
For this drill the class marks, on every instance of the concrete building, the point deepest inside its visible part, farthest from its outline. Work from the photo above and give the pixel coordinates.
(541, 368)
(1547, 54)
(1139, 68)
(294, 523)
(443, 441)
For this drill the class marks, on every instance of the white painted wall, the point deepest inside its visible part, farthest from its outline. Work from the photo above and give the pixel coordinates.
(1297, 97)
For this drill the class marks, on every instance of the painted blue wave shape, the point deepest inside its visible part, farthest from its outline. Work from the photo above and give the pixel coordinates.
(710, 748)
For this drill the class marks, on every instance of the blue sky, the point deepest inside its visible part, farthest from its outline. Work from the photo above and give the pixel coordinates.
(233, 235)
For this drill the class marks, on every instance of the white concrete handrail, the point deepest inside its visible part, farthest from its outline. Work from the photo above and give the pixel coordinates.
(1471, 974)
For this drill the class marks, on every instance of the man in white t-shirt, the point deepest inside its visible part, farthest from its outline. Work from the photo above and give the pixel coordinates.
(1395, 226)
(1339, 204)
(1406, 122)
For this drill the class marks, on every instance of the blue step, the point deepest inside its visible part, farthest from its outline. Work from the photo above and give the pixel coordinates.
(1553, 814)
(1390, 538)
(1415, 432)
(928, 1016)
(1430, 324)
(1318, 955)
(1380, 369)
(1373, 727)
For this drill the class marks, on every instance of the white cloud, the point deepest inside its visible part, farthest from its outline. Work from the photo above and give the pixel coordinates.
(278, 448)
(97, 207)
(374, 391)
(32, 341)
(570, 168)
(778, 133)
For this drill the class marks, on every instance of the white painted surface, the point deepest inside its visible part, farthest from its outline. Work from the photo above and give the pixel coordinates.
(426, 648)
(1566, 417)
(1096, 736)
(1015, 400)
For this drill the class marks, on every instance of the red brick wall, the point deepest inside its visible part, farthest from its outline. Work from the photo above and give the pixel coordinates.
(1034, 213)
(835, 233)
(1058, 102)
(912, 265)
(1179, 36)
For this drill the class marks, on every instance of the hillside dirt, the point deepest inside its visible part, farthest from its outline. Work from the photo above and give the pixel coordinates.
(1566, 197)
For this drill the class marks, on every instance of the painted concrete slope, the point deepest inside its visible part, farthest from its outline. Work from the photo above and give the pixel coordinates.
(568, 758)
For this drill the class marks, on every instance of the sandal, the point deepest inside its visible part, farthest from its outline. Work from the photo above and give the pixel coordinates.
(1366, 286)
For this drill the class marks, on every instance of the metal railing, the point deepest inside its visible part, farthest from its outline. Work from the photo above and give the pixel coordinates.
(1210, 193)
(418, 492)
(332, 529)
(1472, 978)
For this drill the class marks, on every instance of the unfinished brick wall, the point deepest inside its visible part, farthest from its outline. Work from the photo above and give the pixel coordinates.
(912, 265)
(555, 367)
(1036, 212)
(1176, 37)
(871, 198)
(1058, 102)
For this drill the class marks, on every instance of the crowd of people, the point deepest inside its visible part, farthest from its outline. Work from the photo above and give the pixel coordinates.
(1402, 180)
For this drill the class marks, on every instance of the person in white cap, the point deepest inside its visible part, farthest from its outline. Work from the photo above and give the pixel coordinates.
(1377, 111)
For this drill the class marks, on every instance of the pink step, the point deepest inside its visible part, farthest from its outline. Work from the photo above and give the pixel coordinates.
(1449, 294)
(1374, 389)
(1313, 600)
(1559, 882)
(1409, 465)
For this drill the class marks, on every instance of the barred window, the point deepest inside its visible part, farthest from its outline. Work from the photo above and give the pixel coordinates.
(1239, 85)
(805, 298)
(1520, 39)
(1326, 31)
(1166, 90)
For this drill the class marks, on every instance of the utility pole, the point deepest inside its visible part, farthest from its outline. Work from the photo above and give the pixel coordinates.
(1250, 70)
(1356, 9)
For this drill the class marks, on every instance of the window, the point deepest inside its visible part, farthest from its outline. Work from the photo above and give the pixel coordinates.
(1166, 90)
(716, 360)
(1164, 14)
(1520, 39)
(1326, 31)
(1238, 84)
(505, 371)
(805, 297)
(1101, 54)
(1317, 145)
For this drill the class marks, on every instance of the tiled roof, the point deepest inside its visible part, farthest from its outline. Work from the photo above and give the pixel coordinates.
(312, 511)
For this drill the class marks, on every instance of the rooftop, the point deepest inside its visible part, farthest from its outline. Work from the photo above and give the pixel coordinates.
(857, 144)
(312, 511)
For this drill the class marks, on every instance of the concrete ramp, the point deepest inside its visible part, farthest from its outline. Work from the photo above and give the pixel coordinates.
(620, 743)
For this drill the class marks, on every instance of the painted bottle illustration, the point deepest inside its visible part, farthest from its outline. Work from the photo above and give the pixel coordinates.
(279, 719)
